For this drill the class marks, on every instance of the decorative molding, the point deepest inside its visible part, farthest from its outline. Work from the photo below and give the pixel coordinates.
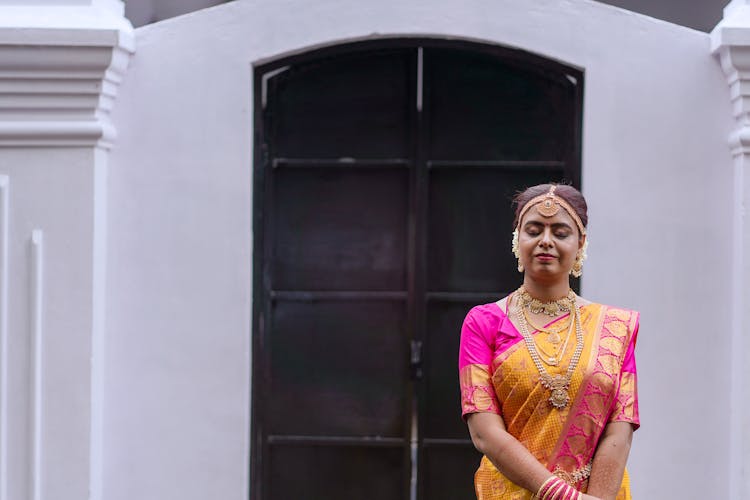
(730, 43)
(59, 74)
(36, 366)
(4, 203)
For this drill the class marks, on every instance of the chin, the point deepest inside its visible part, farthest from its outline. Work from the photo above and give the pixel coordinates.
(547, 274)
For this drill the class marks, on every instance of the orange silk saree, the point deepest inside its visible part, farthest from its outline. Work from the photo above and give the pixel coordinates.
(497, 375)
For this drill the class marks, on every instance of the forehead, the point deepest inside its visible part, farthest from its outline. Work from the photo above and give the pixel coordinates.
(561, 217)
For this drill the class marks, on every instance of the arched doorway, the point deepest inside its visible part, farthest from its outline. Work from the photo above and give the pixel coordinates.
(383, 176)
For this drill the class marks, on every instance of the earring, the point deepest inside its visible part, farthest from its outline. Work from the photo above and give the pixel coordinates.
(577, 269)
(516, 251)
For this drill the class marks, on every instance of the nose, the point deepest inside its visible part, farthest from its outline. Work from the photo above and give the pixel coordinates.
(546, 241)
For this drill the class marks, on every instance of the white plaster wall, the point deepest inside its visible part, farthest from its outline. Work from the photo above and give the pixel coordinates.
(40, 199)
(657, 174)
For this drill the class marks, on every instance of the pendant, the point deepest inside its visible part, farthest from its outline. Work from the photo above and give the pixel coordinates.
(551, 361)
(559, 387)
(559, 398)
(554, 338)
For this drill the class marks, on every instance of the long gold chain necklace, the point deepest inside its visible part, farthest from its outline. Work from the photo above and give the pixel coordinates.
(552, 332)
(557, 384)
(557, 357)
(553, 308)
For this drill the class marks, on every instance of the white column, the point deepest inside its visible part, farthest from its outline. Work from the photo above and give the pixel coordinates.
(730, 42)
(61, 62)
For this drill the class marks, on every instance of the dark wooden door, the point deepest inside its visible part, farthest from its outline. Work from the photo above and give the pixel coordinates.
(384, 173)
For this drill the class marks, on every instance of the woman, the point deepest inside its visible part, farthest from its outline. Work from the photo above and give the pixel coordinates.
(548, 380)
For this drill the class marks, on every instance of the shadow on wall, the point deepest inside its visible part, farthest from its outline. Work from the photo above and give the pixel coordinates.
(702, 15)
(141, 12)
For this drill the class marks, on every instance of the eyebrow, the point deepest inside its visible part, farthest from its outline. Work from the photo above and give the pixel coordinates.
(555, 225)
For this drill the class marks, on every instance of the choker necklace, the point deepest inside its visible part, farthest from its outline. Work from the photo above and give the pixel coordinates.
(553, 308)
(558, 385)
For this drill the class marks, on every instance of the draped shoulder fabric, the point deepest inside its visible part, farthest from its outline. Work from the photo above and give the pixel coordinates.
(497, 375)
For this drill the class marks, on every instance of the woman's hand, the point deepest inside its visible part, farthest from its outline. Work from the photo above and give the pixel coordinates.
(589, 497)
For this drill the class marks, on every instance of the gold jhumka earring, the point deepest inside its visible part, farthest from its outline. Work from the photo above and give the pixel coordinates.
(516, 251)
(577, 269)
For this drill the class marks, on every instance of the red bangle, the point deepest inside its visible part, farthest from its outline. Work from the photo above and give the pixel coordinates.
(555, 488)
(550, 488)
(565, 492)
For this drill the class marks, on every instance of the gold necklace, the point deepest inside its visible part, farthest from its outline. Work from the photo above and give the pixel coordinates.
(553, 334)
(558, 385)
(559, 351)
(556, 358)
(553, 308)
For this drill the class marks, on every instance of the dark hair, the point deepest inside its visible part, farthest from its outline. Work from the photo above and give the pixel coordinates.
(570, 194)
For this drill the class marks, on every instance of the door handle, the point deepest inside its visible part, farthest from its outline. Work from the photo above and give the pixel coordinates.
(415, 361)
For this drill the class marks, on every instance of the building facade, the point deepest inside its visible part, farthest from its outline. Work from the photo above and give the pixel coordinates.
(151, 179)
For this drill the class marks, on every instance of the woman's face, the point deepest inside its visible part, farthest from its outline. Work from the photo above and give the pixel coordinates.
(548, 245)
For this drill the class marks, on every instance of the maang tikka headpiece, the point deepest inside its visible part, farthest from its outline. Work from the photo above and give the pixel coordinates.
(549, 205)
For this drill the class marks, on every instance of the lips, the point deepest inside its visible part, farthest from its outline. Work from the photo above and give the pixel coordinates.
(545, 256)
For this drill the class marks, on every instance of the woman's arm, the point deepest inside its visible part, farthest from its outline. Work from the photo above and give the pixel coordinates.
(506, 453)
(609, 460)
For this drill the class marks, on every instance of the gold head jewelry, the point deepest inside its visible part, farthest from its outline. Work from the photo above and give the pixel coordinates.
(549, 205)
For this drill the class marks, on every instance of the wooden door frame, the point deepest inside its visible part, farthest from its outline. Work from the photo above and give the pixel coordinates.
(260, 376)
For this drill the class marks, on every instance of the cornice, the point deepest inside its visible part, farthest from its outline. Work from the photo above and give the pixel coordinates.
(59, 74)
(730, 42)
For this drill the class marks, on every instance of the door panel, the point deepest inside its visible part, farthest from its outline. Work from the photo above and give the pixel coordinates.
(342, 473)
(449, 472)
(442, 419)
(350, 106)
(338, 369)
(382, 215)
(470, 226)
(319, 246)
(517, 111)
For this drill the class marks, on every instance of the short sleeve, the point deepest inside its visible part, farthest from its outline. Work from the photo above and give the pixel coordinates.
(626, 404)
(474, 362)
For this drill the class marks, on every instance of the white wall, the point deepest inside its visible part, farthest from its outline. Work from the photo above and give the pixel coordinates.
(657, 175)
(49, 440)
(698, 14)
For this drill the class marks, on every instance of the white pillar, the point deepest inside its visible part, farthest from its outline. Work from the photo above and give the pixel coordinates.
(61, 62)
(730, 42)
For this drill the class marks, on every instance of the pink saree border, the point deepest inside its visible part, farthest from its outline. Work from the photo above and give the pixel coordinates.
(565, 455)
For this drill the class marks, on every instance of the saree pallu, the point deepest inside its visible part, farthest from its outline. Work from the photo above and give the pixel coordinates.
(498, 375)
